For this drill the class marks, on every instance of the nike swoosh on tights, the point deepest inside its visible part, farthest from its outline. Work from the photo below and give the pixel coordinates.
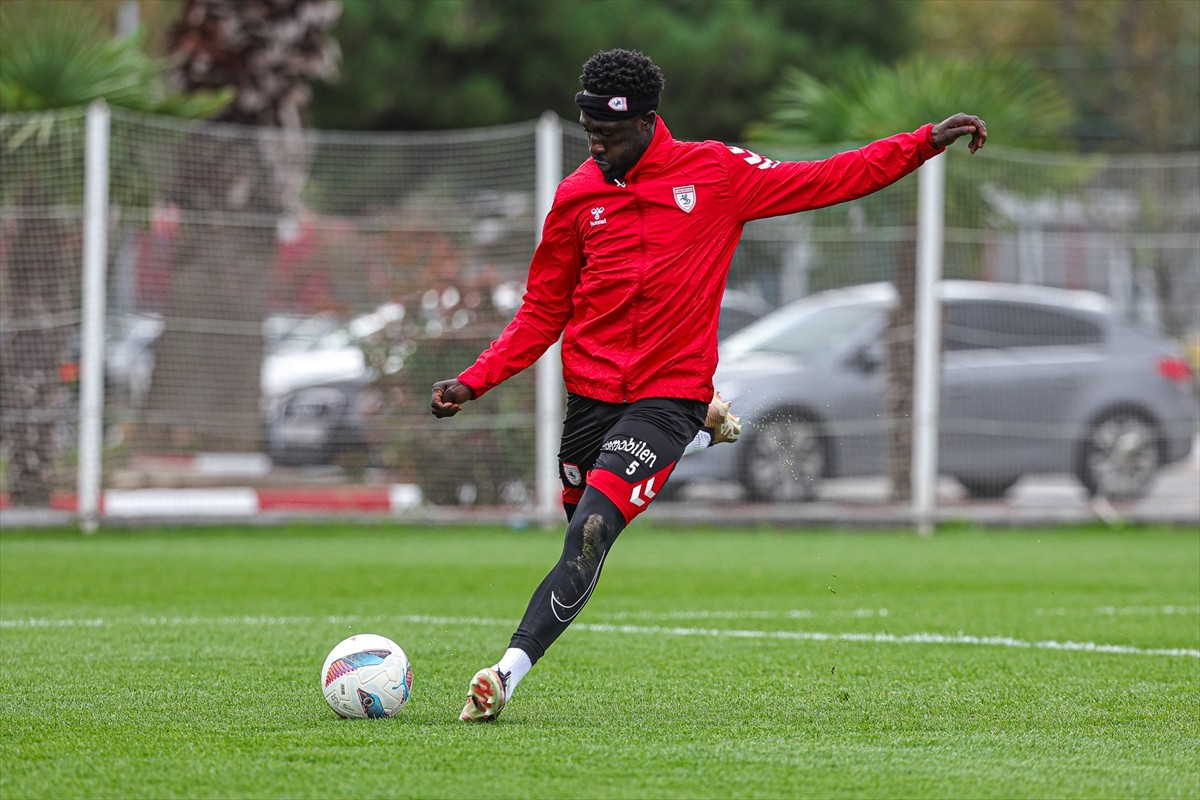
(556, 604)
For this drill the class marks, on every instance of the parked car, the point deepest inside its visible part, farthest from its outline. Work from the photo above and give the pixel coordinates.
(298, 351)
(317, 389)
(739, 309)
(1034, 380)
(322, 424)
(316, 383)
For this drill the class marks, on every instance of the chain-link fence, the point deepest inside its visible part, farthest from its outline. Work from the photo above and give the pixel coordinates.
(278, 305)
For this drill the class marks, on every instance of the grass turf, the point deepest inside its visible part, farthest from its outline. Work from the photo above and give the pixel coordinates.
(184, 663)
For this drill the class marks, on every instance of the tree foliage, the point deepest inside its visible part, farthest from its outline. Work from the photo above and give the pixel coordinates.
(266, 52)
(411, 65)
(56, 55)
(1130, 69)
(1020, 107)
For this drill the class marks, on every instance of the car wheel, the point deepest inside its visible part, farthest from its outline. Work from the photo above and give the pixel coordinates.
(987, 488)
(785, 460)
(1120, 456)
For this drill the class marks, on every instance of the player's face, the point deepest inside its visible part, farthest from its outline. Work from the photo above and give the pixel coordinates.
(617, 145)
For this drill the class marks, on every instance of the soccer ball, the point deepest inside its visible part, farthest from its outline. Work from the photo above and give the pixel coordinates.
(365, 676)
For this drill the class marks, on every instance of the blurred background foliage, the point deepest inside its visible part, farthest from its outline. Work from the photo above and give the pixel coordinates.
(1128, 70)
(462, 63)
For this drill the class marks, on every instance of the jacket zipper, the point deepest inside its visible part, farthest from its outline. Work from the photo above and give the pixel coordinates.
(636, 299)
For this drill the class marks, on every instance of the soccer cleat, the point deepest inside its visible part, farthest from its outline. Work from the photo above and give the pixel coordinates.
(485, 697)
(725, 427)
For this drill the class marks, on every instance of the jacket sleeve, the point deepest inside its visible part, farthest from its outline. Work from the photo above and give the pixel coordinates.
(545, 307)
(766, 188)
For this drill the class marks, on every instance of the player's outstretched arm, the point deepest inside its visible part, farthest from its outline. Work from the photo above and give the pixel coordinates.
(448, 397)
(948, 131)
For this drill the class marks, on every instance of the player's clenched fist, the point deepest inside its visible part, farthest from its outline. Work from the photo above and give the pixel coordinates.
(448, 397)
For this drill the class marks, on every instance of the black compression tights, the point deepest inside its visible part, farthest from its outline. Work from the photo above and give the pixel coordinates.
(592, 528)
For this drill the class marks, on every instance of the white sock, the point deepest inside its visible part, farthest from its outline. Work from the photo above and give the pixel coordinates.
(703, 439)
(514, 665)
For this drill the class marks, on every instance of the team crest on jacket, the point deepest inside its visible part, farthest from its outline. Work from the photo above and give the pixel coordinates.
(685, 197)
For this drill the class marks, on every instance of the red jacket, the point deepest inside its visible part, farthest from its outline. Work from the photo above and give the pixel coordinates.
(632, 276)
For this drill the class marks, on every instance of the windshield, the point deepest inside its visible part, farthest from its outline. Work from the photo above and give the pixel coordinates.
(802, 332)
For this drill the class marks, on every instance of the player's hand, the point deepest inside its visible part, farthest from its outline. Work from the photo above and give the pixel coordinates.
(448, 397)
(948, 131)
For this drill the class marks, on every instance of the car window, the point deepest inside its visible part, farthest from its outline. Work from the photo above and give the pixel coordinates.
(981, 325)
(805, 333)
(733, 320)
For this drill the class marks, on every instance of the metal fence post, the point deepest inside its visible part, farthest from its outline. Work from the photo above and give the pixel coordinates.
(549, 367)
(931, 190)
(91, 336)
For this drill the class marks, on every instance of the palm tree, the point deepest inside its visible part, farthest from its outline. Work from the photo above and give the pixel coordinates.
(55, 56)
(264, 51)
(1020, 108)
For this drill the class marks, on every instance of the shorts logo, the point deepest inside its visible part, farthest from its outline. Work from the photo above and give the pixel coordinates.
(618, 103)
(635, 447)
(685, 198)
(572, 474)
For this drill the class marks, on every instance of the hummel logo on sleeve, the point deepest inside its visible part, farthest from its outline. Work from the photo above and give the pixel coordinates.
(754, 158)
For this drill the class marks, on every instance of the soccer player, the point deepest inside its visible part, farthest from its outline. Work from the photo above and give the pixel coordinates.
(630, 271)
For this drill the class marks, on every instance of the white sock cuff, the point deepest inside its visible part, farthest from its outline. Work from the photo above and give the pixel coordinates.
(516, 663)
(514, 660)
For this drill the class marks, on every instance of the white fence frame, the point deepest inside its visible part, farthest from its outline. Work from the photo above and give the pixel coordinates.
(931, 188)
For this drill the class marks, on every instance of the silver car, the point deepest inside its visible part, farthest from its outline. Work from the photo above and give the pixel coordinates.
(1034, 380)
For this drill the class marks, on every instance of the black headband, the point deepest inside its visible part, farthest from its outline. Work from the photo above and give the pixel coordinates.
(614, 107)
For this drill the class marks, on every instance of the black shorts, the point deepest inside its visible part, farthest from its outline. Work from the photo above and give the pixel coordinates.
(625, 450)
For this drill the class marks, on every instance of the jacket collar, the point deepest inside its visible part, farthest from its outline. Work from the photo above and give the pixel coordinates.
(655, 155)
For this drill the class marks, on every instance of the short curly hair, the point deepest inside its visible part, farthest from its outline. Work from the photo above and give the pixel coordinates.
(622, 72)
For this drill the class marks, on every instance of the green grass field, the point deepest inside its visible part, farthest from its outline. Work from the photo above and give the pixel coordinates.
(184, 663)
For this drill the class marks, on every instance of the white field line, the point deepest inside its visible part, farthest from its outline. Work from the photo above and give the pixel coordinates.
(1110, 611)
(795, 613)
(595, 627)
(888, 638)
